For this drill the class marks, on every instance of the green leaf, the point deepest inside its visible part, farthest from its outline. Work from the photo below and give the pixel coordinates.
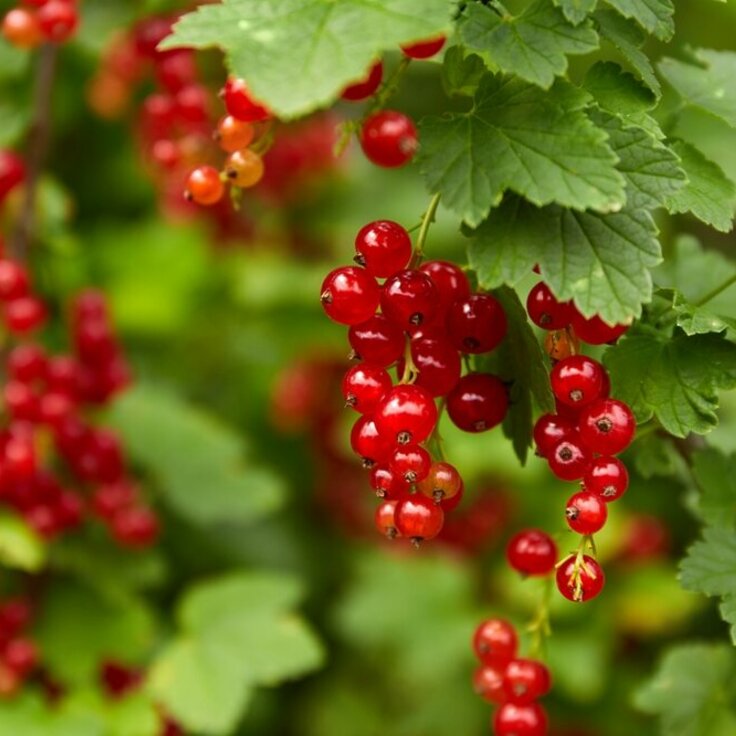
(533, 45)
(727, 609)
(576, 11)
(538, 144)
(30, 715)
(520, 361)
(653, 457)
(653, 15)
(692, 690)
(716, 477)
(617, 91)
(133, 715)
(600, 261)
(652, 171)
(197, 462)
(627, 38)
(20, 546)
(677, 380)
(710, 564)
(461, 73)
(296, 55)
(711, 86)
(237, 632)
(709, 194)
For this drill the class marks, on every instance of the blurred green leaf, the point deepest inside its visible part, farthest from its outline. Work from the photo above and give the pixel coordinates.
(30, 715)
(20, 546)
(133, 715)
(710, 564)
(715, 473)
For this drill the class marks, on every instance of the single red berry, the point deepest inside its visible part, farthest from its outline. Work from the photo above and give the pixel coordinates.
(21, 29)
(411, 463)
(166, 154)
(520, 720)
(90, 304)
(418, 518)
(425, 48)
(69, 510)
(386, 483)
(389, 138)
(450, 280)
(581, 580)
(409, 299)
(158, 116)
(526, 680)
(645, 537)
(149, 33)
(570, 458)
(586, 513)
(545, 310)
(176, 69)
(478, 402)
(62, 374)
(495, 642)
(594, 330)
(532, 552)
(578, 380)
(234, 135)
(442, 482)
(549, 430)
(438, 363)
(204, 186)
(135, 527)
(193, 104)
(366, 86)
(119, 680)
(368, 444)
(109, 499)
(25, 314)
(607, 426)
(406, 414)
(476, 324)
(21, 656)
(349, 295)
(386, 519)
(20, 458)
(377, 341)
(607, 477)
(15, 615)
(14, 282)
(364, 386)
(58, 19)
(488, 683)
(383, 247)
(241, 105)
(20, 401)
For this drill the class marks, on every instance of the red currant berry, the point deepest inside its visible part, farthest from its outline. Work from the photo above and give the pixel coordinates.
(386, 483)
(368, 444)
(241, 105)
(607, 426)
(349, 295)
(478, 402)
(488, 683)
(525, 681)
(21, 656)
(406, 414)
(111, 498)
(58, 19)
(586, 513)
(12, 171)
(204, 186)
(438, 363)
(410, 463)
(450, 504)
(135, 527)
(520, 720)
(364, 386)
(595, 331)
(149, 33)
(378, 341)
(442, 482)
(450, 280)
(15, 615)
(24, 315)
(578, 380)
(21, 402)
(234, 135)
(607, 477)
(27, 363)
(13, 280)
(389, 139)
(383, 247)
(544, 309)
(21, 29)
(424, 49)
(366, 86)
(119, 680)
(550, 430)
(193, 104)
(581, 580)
(570, 458)
(532, 552)
(244, 169)
(176, 69)
(158, 116)
(418, 518)
(90, 304)
(495, 642)
(476, 324)
(386, 519)
(166, 154)
(409, 299)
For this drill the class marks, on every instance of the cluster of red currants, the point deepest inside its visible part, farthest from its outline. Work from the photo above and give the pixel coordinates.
(40, 21)
(512, 683)
(580, 441)
(43, 398)
(428, 318)
(18, 652)
(12, 173)
(388, 137)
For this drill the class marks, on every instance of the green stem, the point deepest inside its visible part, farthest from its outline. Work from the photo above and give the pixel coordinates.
(427, 220)
(715, 292)
(540, 628)
(389, 87)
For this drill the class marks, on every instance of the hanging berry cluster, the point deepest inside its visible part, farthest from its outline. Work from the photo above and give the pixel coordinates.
(40, 21)
(421, 320)
(581, 440)
(18, 652)
(512, 683)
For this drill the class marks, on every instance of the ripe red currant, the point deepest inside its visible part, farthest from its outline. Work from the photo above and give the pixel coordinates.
(450, 280)
(368, 444)
(532, 552)
(495, 642)
(578, 380)
(425, 48)
(377, 341)
(58, 19)
(24, 315)
(549, 430)
(21, 656)
(525, 680)
(419, 518)
(366, 86)
(438, 363)
(476, 324)
(233, 135)
(411, 463)
(135, 527)
(520, 720)
(406, 414)
(204, 186)
(13, 280)
(594, 330)
(607, 426)
(241, 105)
(383, 247)
(409, 299)
(545, 310)
(27, 363)
(570, 458)
(488, 683)
(176, 69)
(386, 483)
(363, 387)
(586, 513)
(581, 580)
(607, 477)
(349, 295)
(389, 138)
(478, 402)
(385, 519)
(192, 104)
(441, 483)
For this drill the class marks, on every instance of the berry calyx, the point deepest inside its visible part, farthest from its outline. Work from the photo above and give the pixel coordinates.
(365, 87)
(586, 513)
(607, 477)
(418, 518)
(570, 458)
(577, 381)
(383, 247)
(495, 642)
(580, 578)
(411, 463)
(204, 186)
(389, 139)
(532, 552)
(525, 680)
(476, 324)
(385, 519)
(406, 414)
(549, 431)
(349, 295)
(607, 426)
(478, 402)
